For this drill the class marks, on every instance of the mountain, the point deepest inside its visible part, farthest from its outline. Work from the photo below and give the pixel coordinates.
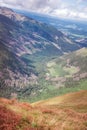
(39, 64)
(75, 30)
(33, 69)
(22, 40)
(82, 42)
(24, 35)
(13, 72)
(67, 112)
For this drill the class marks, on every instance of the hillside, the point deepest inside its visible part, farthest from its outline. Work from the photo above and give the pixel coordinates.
(67, 100)
(68, 112)
(24, 35)
(69, 65)
(75, 30)
(12, 72)
(61, 75)
(27, 42)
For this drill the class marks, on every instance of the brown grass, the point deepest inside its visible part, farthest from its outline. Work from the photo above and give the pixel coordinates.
(68, 112)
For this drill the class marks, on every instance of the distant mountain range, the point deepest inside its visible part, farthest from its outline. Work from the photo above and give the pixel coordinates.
(24, 35)
(75, 30)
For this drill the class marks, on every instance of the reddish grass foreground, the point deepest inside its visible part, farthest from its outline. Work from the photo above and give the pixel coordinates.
(68, 112)
(8, 119)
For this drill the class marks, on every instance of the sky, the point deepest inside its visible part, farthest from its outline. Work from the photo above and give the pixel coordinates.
(70, 9)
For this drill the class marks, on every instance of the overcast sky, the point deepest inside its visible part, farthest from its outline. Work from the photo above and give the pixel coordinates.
(59, 8)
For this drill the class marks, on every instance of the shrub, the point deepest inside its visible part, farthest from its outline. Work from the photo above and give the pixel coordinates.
(8, 119)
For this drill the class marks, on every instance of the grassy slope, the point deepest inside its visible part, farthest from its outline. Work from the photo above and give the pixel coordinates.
(75, 60)
(67, 100)
(56, 68)
(68, 112)
(52, 91)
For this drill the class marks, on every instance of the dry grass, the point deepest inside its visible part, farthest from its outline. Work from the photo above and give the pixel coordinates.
(68, 112)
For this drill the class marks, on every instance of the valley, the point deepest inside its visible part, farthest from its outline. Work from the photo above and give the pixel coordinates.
(39, 60)
(61, 75)
(43, 72)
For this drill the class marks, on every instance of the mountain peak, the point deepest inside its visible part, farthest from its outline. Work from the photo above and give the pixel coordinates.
(5, 9)
(11, 14)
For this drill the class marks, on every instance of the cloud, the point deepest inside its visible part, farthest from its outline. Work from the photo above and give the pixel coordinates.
(27, 3)
(79, 1)
(66, 13)
(58, 8)
(60, 12)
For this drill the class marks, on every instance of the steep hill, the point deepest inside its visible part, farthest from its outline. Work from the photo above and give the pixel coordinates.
(12, 71)
(27, 36)
(68, 112)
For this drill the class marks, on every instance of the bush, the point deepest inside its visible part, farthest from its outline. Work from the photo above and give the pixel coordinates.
(8, 119)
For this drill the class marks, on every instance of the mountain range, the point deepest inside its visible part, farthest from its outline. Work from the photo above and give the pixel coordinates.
(43, 72)
(33, 36)
(31, 57)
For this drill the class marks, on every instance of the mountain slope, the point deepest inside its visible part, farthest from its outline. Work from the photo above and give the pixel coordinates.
(27, 36)
(67, 100)
(68, 112)
(12, 71)
(61, 75)
(69, 65)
